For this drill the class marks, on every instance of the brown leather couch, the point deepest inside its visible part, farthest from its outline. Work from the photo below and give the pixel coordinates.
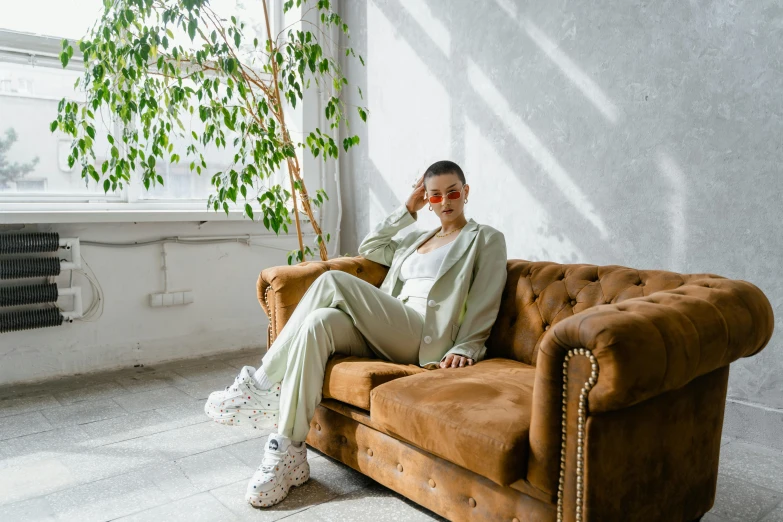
(601, 397)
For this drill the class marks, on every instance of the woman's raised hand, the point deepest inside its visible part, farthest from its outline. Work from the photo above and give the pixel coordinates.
(417, 199)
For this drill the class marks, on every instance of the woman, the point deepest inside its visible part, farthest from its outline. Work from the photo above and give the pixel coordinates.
(435, 308)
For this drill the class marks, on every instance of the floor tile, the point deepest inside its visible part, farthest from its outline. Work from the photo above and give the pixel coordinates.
(213, 469)
(33, 510)
(740, 501)
(33, 479)
(106, 499)
(776, 515)
(187, 412)
(253, 360)
(44, 445)
(15, 406)
(197, 438)
(152, 399)
(95, 392)
(374, 502)
(146, 380)
(170, 479)
(208, 370)
(201, 389)
(198, 508)
(130, 426)
(753, 463)
(84, 412)
(23, 424)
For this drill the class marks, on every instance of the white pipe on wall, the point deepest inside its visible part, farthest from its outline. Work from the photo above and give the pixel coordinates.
(76, 293)
(72, 244)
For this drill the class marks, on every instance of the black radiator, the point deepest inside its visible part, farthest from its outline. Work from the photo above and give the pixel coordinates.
(29, 267)
(29, 243)
(29, 319)
(26, 295)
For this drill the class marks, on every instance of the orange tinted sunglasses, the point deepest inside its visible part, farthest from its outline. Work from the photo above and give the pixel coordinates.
(454, 194)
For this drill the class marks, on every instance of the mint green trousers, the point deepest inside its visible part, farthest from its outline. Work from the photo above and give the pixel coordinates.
(339, 313)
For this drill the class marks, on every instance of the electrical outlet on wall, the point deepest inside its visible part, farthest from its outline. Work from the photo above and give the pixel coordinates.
(171, 298)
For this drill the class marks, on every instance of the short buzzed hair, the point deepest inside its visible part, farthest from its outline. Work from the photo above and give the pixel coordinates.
(444, 167)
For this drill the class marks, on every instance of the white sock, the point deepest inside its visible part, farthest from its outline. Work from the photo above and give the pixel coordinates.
(262, 379)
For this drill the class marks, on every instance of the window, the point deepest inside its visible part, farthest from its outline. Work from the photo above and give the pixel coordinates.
(32, 83)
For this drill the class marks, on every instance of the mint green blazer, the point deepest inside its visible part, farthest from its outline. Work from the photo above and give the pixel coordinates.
(464, 300)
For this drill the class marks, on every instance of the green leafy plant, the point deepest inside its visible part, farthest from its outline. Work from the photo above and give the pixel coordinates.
(158, 65)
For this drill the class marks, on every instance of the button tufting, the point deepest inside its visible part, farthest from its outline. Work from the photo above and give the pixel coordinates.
(344, 439)
(369, 452)
(573, 302)
(318, 427)
(472, 502)
(515, 519)
(432, 483)
(546, 327)
(399, 468)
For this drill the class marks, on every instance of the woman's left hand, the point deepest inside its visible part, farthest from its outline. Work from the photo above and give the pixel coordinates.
(456, 361)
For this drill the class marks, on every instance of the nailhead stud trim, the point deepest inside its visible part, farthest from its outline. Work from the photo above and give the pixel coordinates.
(269, 315)
(581, 419)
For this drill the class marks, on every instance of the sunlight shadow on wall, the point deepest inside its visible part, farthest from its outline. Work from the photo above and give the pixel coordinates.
(673, 174)
(518, 214)
(400, 139)
(525, 136)
(431, 26)
(573, 72)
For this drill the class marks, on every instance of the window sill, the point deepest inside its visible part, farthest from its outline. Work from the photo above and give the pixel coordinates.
(11, 214)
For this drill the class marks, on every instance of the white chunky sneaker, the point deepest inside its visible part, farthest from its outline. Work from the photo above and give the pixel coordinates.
(244, 403)
(284, 465)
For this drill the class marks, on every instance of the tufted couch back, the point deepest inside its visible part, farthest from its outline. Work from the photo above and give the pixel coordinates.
(539, 294)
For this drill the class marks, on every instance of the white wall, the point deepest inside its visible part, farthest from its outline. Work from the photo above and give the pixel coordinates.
(225, 315)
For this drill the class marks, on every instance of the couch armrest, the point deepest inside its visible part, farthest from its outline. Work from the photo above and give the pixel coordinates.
(280, 288)
(638, 349)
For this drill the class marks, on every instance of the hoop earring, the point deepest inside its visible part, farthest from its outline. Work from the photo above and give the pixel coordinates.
(466, 201)
(429, 207)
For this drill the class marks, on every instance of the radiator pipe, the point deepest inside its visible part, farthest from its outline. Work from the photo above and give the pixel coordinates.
(27, 295)
(29, 319)
(29, 243)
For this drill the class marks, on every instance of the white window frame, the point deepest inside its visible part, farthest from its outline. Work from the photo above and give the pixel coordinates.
(125, 205)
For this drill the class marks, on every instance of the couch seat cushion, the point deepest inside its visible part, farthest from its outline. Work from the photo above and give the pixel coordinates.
(351, 379)
(477, 417)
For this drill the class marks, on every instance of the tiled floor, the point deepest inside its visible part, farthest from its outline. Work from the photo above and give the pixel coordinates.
(136, 445)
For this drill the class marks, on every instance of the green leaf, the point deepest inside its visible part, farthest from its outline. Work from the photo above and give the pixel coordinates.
(64, 59)
(249, 210)
(192, 28)
(362, 114)
(106, 185)
(53, 126)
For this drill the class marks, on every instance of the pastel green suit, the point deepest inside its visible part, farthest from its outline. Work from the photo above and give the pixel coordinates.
(341, 313)
(464, 300)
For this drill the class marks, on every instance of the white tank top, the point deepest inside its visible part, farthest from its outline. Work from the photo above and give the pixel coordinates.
(418, 271)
